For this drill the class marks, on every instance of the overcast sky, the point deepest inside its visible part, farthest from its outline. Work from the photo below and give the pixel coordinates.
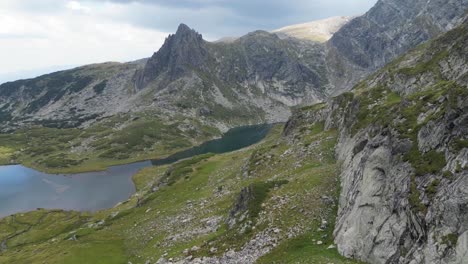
(40, 36)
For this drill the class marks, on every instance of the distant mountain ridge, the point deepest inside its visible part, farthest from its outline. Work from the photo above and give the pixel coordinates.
(256, 78)
(387, 30)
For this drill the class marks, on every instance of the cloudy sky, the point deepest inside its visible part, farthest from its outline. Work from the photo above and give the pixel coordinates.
(40, 36)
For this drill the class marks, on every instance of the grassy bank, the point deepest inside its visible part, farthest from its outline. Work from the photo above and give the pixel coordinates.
(114, 141)
(192, 210)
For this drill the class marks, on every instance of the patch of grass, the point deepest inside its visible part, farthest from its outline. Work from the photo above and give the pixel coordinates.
(6, 155)
(148, 176)
(317, 128)
(99, 88)
(423, 163)
(430, 65)
(260, 191)
(450, 240)
(100, 251)
(414, 195)
(182, 169)
(258, 157)
(302, 249)
(432, 188)
(60, 162)
(314, 107)
(459, 144)
(375, 107)
(39, 226)
(447, 174)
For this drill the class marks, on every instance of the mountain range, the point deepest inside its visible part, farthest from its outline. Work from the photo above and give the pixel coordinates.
(255, 78)
(370, 165)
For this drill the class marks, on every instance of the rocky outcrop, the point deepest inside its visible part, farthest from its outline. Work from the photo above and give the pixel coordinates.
(387, 215)
(248, 254)
(241, 206)
(389, 29)
(404, 156)
(181, 52)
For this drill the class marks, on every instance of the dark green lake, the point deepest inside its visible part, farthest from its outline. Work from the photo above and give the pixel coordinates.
(234, 139)
(23, 189)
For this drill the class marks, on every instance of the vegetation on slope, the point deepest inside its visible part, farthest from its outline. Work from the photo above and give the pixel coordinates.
(118, 140)
(421, 93)
(184, 210)
(169, 220)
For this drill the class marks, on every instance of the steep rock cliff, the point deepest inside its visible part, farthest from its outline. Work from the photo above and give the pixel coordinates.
(386, 31)
(404, 155)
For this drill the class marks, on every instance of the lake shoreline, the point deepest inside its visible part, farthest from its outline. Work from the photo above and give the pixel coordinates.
(24, 189)
(103, 165)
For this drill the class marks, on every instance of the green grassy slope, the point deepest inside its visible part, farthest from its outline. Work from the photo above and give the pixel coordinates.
(118, 140)
(176, 217)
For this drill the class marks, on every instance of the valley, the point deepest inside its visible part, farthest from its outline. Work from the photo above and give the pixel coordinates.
(24, 189)
(117, 140)
(200, 193)
(343, 140)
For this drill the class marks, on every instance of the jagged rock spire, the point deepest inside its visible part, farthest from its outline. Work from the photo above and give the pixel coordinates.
(181, 51)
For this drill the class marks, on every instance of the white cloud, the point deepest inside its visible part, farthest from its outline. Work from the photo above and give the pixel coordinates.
(75, 36)
(77, 6)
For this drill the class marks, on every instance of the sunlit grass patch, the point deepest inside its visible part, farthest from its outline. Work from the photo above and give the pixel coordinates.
(6, 154)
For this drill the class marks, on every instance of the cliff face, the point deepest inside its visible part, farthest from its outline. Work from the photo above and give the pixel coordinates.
(403, 149)
(388, 30)
(181, 52)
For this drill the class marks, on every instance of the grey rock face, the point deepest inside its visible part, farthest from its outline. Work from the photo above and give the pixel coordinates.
(68, 98)
(431, 136)
(184, 50)
(387, 212)
(241, 205)
(366, 221)
(376, 220)
(389, 29)
(290, 71)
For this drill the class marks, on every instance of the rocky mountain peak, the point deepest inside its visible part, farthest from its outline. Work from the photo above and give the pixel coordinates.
(184, 30)
(183, 51)
(184, 36)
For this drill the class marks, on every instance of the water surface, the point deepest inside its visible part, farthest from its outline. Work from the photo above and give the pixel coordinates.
(23, 189)
(234, 139)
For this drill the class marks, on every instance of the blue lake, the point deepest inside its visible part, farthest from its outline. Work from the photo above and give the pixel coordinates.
(23, 189)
